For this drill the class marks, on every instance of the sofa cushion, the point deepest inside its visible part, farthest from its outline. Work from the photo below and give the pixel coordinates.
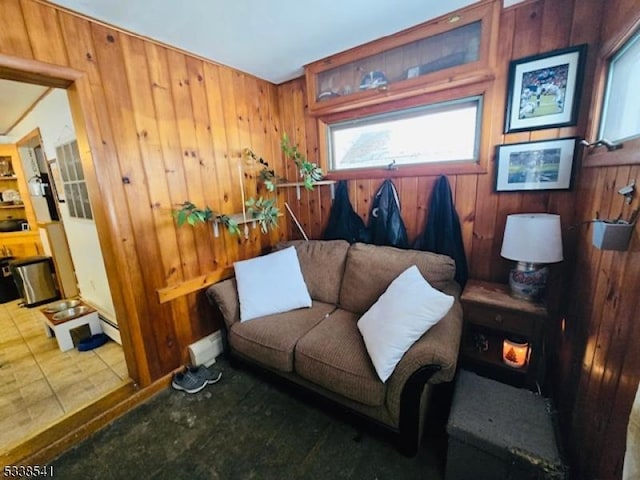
(332, 355)
(322, 264)
(270, 284)
(370, 269)
(404, 312)
(270, 340)
(224, 295)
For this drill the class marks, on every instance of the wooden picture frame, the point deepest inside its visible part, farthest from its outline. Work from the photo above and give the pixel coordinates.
(539, 165)
(544, 90)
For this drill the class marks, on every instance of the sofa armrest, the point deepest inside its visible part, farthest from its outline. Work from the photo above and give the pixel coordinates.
(437, 348)
(225, 296)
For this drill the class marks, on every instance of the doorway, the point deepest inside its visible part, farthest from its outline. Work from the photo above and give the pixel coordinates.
(24, 325)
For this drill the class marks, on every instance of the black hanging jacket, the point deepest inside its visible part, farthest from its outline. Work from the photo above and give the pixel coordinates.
(442, 233)
(344, 223)
(385, 222)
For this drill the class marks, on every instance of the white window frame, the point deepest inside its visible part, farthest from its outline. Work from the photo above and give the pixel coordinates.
(73, 180)
(404, 113)
(630, 100)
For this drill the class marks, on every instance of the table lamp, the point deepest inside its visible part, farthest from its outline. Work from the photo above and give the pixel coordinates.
(533, 240)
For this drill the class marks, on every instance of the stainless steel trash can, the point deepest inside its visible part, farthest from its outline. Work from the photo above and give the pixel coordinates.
(35, 281)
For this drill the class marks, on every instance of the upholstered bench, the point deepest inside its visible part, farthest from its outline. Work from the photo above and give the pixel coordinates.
(497, 431)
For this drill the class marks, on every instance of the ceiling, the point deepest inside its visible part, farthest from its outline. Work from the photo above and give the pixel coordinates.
(272, 40)
(15, 100)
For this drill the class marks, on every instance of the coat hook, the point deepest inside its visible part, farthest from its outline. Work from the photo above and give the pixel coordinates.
(628, 191)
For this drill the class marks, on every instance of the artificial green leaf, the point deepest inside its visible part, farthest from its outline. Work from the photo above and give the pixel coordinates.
(230, 224)
(309, 172)
(269, 185)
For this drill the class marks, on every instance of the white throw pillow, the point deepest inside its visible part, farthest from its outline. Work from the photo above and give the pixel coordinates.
(403, 313)
(270, 284)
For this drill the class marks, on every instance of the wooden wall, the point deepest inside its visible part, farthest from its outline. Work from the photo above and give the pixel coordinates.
(600, 359)
(157, 127)
(527, 29)
(594, 362)
(160, 126)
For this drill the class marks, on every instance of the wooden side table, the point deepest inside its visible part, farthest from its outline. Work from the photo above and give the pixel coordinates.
(491, 314)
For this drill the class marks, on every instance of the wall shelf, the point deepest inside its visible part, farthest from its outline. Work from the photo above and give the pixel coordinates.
(457, 46)
(299, 185)
(239, 218)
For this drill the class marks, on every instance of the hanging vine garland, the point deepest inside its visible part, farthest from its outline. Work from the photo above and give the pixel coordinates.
(263, 211)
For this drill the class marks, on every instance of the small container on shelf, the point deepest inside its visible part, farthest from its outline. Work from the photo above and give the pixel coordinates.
(6, 169)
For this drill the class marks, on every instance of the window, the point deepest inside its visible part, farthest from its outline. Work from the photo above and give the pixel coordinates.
(620, 118)
(441, 132)
(75, 187)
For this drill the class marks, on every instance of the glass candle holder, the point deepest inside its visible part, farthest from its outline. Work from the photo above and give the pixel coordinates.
(515, 352)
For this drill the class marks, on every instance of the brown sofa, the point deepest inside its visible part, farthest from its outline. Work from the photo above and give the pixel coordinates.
(321, 347)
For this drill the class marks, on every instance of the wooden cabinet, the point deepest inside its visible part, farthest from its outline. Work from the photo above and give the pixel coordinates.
(15, 202)
(11, 202)
(450, 51)
(491, 315)
(20, 244)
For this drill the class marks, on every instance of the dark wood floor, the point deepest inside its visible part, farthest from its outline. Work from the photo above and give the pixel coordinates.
(242, 427)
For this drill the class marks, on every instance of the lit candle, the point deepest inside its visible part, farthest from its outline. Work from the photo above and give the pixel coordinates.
(515, 352)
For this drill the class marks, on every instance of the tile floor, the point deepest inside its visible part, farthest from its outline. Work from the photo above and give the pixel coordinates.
(39, 384)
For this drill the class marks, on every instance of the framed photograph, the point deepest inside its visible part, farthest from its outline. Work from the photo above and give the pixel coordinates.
(540, 165)
(544, 90)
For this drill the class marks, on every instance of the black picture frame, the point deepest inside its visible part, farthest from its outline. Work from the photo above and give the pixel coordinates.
(537, 165)
(544, 90)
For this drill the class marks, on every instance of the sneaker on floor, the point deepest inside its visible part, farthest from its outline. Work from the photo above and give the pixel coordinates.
(209, 375)
(188, 382)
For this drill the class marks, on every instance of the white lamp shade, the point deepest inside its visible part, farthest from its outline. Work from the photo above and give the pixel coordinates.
(532, 238)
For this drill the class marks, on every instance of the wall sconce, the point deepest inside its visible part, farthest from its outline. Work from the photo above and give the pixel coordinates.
(612, 235)
(615, 234)
(603, 142)
(515, 352)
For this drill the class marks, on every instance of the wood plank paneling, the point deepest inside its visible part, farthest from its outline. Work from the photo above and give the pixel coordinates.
(189, 164)
(43, 30)
(161, 127)
(481, 210)
(111, 53)
(15, 39)
(602, 311)
(95, 140)
(598, 369)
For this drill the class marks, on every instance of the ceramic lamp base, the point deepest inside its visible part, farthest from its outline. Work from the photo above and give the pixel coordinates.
(528, 281)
